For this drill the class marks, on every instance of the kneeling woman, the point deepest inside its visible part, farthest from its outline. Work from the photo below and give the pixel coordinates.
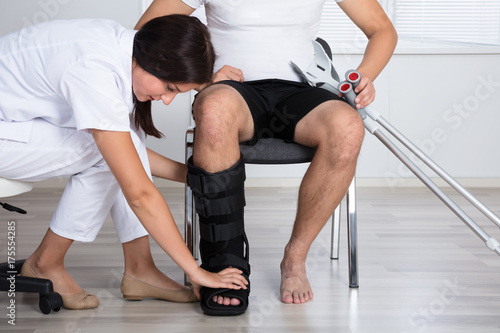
(75, 99)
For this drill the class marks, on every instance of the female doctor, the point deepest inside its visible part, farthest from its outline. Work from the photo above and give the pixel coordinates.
(75, 99)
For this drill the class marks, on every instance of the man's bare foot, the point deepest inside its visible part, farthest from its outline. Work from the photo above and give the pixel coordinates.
(226, 300)
(294, 286)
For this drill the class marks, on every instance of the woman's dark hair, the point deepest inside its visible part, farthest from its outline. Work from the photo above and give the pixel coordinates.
(174, 48)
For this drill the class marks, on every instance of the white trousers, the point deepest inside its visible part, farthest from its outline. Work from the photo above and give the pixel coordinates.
(91, 192)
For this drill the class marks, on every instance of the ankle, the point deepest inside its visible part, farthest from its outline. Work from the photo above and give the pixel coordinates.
(42, 264)
(295, 251)
(139, 269)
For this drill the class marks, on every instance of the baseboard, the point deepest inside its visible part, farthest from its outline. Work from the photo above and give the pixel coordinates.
(377, 182)
(295, 182)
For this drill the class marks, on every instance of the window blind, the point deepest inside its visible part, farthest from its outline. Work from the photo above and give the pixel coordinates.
(338, 30)
(459, 21)
(475, 22)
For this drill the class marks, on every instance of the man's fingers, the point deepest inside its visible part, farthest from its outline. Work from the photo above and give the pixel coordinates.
(228, 73)
(236, 74)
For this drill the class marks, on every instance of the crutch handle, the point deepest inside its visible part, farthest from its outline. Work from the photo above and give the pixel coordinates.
(347, 90)
(353, 77)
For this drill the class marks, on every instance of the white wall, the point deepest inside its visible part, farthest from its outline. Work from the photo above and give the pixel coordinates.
(418, 93)
(19, 13)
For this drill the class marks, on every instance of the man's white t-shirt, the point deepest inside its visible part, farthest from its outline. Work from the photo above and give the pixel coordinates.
(261, 37)
(74, 74)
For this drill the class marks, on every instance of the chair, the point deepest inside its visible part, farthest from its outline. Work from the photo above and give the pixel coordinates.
(10, 281)
(277, 151)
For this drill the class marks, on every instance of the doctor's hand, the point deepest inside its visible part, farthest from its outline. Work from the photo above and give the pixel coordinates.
(228, 73)
(365, 92)
(227, 278)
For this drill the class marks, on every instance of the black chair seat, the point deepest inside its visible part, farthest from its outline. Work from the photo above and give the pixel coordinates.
(276, 151)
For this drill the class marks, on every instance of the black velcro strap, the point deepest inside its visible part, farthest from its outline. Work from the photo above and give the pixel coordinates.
(227, 260)
(203, 183)
(220, 206)
(221, 232)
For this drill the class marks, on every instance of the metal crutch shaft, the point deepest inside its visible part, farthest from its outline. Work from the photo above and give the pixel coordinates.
(490, 242)
(353, 78)
(436, 168)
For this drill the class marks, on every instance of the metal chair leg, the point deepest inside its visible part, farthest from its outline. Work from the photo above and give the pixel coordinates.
(188, 221)
(334, 251)
(191, 228)
(189, 211)
(352, 235)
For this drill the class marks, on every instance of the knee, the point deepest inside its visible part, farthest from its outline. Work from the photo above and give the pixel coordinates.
(212, 114)
(346, 134)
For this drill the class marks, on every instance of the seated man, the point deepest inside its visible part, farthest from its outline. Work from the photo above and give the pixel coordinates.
(260, 96)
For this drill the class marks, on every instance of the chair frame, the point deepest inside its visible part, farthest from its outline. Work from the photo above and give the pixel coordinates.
(48, 299)
(191, 228)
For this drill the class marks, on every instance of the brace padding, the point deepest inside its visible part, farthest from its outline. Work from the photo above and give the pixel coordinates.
(208, 183)
(220, 202)
(219, 193)
(227, 260)
(216, 231)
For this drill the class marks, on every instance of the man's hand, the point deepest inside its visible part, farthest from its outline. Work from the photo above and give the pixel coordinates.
(228, 73)
(365, 92)
(225, 73)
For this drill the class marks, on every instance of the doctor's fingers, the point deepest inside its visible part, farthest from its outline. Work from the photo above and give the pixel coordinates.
(233, 275)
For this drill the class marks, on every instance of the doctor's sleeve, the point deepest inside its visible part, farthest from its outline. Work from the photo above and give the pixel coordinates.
(94, 91)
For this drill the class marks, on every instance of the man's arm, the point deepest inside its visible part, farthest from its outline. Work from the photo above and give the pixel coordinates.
(369, 16)
(162, 8)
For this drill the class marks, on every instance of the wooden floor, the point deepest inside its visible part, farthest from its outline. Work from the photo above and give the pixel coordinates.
(421, 270)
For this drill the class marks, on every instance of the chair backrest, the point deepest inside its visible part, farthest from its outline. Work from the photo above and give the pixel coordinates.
(276, 151)
(9, 187)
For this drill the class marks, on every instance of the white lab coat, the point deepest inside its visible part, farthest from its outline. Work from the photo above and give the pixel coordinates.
(58, 80)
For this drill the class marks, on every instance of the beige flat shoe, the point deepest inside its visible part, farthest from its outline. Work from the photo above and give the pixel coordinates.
(135, 290)
(80, 301)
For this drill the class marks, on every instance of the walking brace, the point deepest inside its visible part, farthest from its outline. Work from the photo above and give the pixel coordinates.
(320, 74)
(220, 201)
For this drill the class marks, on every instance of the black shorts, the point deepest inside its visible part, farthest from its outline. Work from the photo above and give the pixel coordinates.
(278, 105)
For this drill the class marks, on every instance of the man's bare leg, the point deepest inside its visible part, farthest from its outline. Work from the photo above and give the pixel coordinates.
(337, 131)
(223, 119)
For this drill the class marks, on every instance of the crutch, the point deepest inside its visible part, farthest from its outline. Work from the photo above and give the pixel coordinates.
(321, 73)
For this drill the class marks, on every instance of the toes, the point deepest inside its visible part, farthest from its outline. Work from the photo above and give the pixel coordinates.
(235, 302)
(297, 298)
(218, 299)
(287, 298)
(225, 300)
